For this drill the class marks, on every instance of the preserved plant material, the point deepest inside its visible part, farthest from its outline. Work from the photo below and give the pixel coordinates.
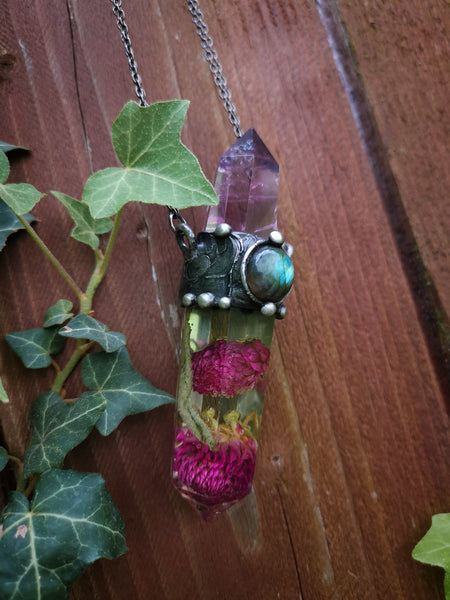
(220, 399)
(235, 276)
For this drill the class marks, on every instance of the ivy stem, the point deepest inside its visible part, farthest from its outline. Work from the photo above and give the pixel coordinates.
(51, 257)
(86, 298)
(16, 460)
(21, 482)
(79, 352)
(56, 366)
(112, 239)
(101, 264)
(29, 488)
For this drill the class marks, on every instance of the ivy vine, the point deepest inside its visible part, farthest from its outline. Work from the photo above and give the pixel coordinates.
(58, 521)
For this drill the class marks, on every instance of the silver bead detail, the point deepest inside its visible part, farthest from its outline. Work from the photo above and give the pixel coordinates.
(269, 309)
(281, 312)
(205, 300)
(222, 230)
(224, 303)
(276, 238)
(188, 300)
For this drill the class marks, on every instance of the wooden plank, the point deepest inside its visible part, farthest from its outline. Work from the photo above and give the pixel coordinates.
(354, 450)
(406, 74)
(394, 60)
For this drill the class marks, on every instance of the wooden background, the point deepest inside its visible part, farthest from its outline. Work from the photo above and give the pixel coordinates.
(352, 100)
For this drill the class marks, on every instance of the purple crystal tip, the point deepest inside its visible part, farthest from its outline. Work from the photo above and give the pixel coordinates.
(247, 186)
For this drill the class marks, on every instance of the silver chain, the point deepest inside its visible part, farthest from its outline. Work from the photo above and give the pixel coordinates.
(214, 64)
(210, 56)
(125, 36)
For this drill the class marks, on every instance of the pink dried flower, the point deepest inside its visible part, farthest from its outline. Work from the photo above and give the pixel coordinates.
(228, 368)
(218, 476)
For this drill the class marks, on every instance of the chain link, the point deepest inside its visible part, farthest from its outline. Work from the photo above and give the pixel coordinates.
(122, 26)
(214, 64)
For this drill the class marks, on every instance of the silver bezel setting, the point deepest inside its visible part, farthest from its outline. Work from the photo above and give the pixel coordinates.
(244, 264)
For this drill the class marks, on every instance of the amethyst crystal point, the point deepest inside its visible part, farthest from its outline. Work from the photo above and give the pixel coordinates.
(247, 186)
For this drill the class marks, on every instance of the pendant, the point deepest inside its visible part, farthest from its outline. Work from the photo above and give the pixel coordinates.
(236, 275)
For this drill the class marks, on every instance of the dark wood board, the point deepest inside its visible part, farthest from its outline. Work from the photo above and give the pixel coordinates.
(354, 453)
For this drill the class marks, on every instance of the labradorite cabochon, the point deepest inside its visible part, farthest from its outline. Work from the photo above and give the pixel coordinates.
(269, 274)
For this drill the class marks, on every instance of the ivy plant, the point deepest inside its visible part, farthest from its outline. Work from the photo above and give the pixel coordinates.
(434, 547)
(57, 520)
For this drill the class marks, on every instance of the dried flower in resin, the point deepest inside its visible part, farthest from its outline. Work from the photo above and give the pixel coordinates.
(228, 368)
(215, 476)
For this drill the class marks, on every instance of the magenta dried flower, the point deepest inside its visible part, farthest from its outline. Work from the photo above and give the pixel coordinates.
(217, 476)
(228, 368)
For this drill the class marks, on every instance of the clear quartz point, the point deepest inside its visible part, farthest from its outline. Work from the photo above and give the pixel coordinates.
(225, 352)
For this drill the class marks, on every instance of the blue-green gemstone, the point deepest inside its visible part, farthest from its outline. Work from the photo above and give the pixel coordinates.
(269, 274)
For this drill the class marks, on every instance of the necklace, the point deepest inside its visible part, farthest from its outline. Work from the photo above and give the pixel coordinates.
(236, 275)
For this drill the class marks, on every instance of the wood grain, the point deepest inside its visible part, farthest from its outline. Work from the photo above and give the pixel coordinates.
(354, 452)
(394, 62)
(406, 73)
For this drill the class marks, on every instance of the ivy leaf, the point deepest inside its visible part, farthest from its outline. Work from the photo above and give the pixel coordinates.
(58, 313)
(46, 544)
(86, 227)
(4, 167)
(3, 458)
(5, 147)
(57, 428)
(35, 346)
(86, 328)
(126, 392)
(158, 168)
(434, 547)
(20, 197)
(3, 395)
(9, 223)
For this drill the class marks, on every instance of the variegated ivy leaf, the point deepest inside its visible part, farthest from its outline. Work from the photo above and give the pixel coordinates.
(57, 428)
(36, 346)
(46, 544)
(126, 392)
(85, 327)
(434, 547)
(20, 197)
(3, 458)
(158, 168)
(86, 228)
(3, 395)
(5, 147)
(58, 313)
(4, 167)
(9, 223)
